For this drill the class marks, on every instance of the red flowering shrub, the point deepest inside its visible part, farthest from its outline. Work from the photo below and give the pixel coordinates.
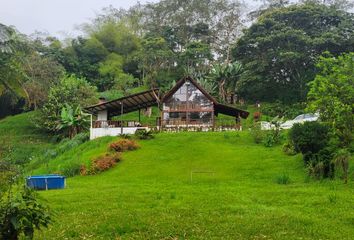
(123, 145)
(104, 163)
(83, 170)
(256, 116)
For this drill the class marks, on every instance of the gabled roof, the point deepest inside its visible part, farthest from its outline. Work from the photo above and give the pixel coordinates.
(180, 83)
(218, 107)
(130, 103)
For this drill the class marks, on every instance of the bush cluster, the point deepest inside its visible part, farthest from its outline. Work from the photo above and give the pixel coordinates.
(144, 134)
(109, 159)
(312, 139)
(123, 145)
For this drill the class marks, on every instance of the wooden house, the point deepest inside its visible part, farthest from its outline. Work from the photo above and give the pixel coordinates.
(186, 106)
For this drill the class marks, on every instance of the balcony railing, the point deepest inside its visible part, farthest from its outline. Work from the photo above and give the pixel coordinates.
(190, 107)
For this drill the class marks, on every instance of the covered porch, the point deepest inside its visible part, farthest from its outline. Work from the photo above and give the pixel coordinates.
(107, 116)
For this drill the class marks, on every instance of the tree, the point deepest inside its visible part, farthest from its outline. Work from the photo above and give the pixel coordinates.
(72, 91)
(280, 50)
(154, 57)
(226, 76)
(332, 94)
(41, 73)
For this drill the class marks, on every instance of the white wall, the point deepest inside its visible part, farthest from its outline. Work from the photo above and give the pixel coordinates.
(101, 132)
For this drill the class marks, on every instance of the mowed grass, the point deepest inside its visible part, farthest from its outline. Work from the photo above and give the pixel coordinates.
(149, 195)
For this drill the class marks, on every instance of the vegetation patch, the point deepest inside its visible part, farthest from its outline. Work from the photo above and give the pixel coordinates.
(123, 145)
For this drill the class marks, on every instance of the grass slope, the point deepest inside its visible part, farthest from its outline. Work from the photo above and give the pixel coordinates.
(149, 194)
(20, 140)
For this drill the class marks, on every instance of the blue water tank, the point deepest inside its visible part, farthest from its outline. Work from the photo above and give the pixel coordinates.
(46, 182)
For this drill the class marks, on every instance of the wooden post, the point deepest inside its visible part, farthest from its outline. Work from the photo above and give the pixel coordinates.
(121, 118)
(213, 120)
(187, 105)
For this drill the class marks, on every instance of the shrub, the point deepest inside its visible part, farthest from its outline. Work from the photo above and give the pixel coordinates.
(272, 138)
(310, 137)
(144, 134)
(71, 170)
(256, 133)
(341, 160)
(320, 165)
(21, 213)
(123, 145)
(256, 116)
(104, 162)
(268, 140)
(288, 149)
(125, 136)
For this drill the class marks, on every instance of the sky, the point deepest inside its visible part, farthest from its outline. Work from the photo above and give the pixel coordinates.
(57, 17)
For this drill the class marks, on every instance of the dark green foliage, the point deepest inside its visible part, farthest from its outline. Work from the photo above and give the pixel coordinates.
(280, 49)
(71, 91)
(73, 121)
(332, 94)
(341, 160)
(310, 137)
(71, 170)
(320, 165)
(144, 134)
(21, 213)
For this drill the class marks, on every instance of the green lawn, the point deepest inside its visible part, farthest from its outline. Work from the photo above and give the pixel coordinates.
(149, 194)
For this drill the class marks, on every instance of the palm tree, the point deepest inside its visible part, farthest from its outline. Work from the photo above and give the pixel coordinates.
(226, 76)
(6, 39)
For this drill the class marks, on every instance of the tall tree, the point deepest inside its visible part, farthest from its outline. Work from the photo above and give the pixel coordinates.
(279, 51)
(332, 94)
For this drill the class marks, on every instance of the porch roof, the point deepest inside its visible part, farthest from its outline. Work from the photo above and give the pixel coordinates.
(130, 103)
(228, 110)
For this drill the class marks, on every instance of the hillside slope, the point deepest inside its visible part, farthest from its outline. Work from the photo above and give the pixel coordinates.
(20, 140)
(149, 195)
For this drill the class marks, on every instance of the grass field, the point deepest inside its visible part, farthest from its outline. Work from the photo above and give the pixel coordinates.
(149, 194)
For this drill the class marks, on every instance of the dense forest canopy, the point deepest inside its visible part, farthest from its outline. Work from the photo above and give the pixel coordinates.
(267, 54)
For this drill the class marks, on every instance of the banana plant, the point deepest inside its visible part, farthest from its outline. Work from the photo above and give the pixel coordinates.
(73, 121)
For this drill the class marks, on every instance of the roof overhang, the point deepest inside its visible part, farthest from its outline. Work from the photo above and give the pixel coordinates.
(130, 103)
(230, 111)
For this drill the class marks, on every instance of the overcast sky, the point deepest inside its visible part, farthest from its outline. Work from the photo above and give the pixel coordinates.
(58, 17)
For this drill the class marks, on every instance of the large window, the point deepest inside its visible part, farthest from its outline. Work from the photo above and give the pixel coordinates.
(188, 105)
